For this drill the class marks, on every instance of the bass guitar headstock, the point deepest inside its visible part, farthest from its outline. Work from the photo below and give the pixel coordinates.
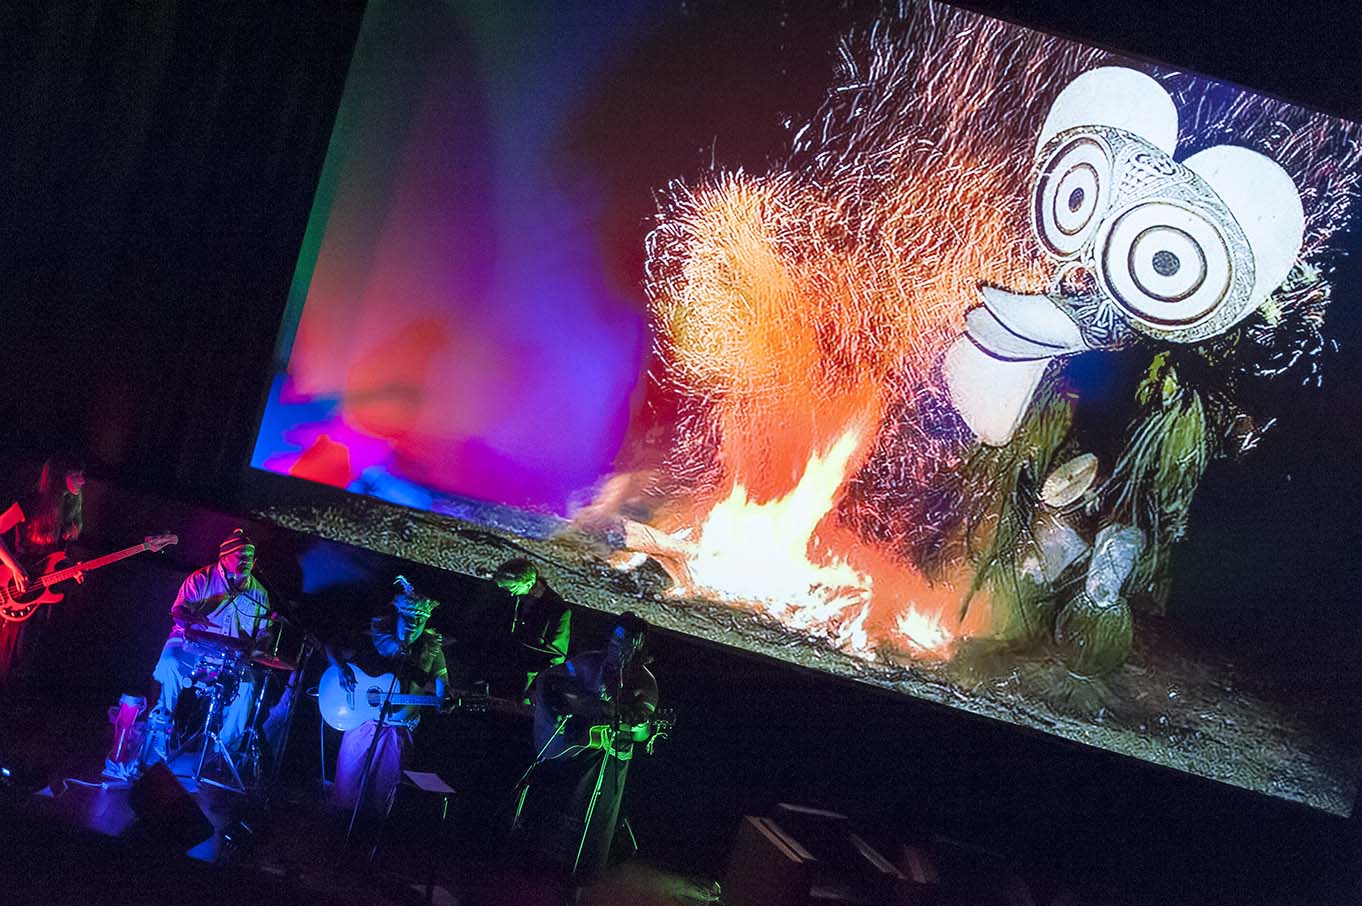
(158, 543)
(662, 724)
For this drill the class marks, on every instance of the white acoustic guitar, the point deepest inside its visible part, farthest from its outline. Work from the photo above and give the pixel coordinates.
(345, 711)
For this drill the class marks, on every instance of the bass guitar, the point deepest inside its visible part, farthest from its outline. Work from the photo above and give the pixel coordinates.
(345, 710)
(17, 606)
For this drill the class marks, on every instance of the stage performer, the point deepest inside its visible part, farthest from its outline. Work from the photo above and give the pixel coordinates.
(38, 524)
(222, 599)
(538, 628)
(510, 631)
(590, 711)
(396, 644)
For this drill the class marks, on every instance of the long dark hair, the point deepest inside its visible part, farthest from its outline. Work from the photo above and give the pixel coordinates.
(56, 512)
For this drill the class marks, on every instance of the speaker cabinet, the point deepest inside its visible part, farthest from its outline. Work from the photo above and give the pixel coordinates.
(166, 813)
(767, 867)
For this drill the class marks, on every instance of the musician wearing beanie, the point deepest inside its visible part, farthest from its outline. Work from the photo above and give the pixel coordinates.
(220, 600)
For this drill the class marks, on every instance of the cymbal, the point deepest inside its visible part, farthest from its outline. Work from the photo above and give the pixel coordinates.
(271, 662)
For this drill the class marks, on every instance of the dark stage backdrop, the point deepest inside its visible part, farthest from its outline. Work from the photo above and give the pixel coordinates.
(158, 164)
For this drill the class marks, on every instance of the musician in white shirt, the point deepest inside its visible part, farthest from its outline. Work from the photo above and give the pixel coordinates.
(222, 599)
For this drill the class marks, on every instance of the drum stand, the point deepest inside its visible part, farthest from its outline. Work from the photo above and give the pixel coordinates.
(212, 742)
(250, 742)
(291, 689)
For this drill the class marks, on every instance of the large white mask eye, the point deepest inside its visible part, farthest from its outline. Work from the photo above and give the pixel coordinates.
(1072, 191)
(1166, 264)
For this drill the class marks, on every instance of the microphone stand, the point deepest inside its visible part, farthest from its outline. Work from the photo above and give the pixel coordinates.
(522, 786)
(608, 756)
(373, 748)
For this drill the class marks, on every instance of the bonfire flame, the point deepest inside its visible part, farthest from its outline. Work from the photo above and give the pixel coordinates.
(760, 552)
(773, 556)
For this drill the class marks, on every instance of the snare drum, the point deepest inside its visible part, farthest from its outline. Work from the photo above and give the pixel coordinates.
(218, 670)
(211, 667)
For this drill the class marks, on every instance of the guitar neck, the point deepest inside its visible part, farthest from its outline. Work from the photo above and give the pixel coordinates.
(466, 702)
(416, 700)
(477, 702)
(62, 575)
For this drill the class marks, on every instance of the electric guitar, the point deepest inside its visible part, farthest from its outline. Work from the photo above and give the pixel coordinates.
(345, 711)
(573, 734)
(17, 607)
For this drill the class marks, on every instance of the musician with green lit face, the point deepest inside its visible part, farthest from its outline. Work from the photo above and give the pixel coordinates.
(539, 625)
(589, 714)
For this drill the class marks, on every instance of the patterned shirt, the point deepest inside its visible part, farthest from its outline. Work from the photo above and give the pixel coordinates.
(237, 611)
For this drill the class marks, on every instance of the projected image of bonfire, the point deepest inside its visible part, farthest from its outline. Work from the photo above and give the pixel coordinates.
(871, 433)
(868, 440)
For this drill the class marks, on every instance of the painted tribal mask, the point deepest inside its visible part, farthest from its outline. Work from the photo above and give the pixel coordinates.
(1142, 244)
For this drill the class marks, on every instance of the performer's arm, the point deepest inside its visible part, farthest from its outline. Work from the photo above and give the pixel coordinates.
(441, 691)
(557, 635)
(554, 692)
(10, 518)
(261, 625)
(335, 653)
(552, 705)
(641, 700)
(440, 671)
(186, 609)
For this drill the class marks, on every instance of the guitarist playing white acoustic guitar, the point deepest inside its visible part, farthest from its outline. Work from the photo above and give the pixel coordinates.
(397, 646)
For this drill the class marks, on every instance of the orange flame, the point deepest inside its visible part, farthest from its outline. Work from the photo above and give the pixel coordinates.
(790, 559)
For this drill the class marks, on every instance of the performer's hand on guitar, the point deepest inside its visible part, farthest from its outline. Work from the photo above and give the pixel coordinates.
(19, 577)
(337, 656)
(347, 677)
(79, 577)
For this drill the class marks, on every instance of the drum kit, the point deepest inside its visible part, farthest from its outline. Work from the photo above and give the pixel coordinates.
(225, 665)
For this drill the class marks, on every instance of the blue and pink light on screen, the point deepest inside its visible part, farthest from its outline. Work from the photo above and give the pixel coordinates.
(459, 333)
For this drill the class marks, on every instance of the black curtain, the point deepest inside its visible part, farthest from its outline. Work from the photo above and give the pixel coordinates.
(158, 161)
